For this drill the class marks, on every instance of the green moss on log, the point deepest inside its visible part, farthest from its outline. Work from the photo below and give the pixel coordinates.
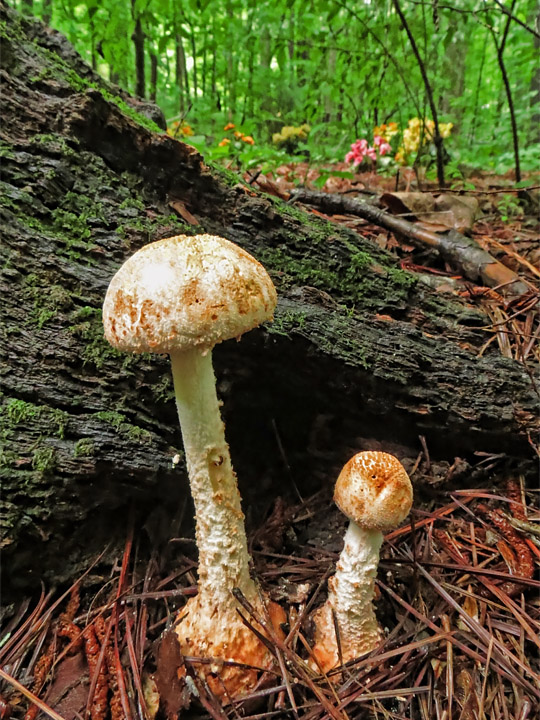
(14, 412)
(119, 422)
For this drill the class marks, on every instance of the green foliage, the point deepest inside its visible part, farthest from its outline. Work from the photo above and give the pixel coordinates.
(342, 67)
(509, 207)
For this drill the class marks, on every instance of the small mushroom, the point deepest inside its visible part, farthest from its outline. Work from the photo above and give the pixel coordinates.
(182, 296)
(375, 493)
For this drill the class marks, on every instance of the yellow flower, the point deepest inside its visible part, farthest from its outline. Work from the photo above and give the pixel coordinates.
(385, 131)
(290, 133)
(224, 142)
(445, 129)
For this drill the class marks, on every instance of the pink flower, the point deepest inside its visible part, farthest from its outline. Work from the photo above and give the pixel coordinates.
(358, 152)
(360, 149)
(371, 152)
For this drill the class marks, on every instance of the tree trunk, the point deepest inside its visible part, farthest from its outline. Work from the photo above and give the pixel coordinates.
(360, 353)
(204, 68)
(230, 81)
(93, 51)
(194, 55)
(46, 11)
(181, 75)
(138, 42)
(331, 59)
(535, 86)
(153, 76)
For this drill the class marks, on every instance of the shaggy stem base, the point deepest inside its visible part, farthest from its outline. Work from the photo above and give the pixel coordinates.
(350, 600)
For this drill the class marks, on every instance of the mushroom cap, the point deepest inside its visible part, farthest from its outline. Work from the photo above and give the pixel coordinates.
(374, 491)
(185, 292)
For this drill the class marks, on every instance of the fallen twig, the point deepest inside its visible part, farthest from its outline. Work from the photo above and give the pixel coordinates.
(456, 249)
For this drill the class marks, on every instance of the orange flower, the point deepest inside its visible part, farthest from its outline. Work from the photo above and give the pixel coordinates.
(224, 142)
(238, 134)
(229, 126)
(248, 139)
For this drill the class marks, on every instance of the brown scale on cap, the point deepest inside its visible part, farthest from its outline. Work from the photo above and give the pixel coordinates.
(374, 490)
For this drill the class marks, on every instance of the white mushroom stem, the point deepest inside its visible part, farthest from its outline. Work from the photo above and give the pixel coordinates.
(353, 589)
(350, 599)
(221, 537)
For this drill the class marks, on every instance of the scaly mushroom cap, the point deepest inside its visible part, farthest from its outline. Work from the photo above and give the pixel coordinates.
(186, 291)
(374, 490)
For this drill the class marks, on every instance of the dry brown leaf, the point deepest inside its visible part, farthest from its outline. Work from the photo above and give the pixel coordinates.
(68, 693)
(434, 213)
(463, 209)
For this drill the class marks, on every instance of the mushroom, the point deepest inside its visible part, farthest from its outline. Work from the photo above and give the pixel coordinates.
(375, 493)
(182, 296)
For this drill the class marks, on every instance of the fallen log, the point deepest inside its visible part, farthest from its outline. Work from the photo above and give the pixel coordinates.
(359, 352)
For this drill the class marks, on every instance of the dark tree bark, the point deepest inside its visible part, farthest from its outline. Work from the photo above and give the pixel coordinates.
(500, 47)
(46, 11)
(182, 81)
(138, 43)
(359, 353)
(535, 87)
(153, 76)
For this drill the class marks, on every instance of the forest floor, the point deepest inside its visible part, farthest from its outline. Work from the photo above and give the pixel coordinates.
(457, 598)
(458, 587)
(485, 207)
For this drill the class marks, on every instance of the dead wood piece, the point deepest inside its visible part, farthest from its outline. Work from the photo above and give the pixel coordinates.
(456, 249)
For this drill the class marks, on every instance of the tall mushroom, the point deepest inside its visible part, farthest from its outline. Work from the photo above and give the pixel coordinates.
(182, 296)
(375, 493)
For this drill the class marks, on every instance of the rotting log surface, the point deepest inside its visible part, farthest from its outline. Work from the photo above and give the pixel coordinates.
(359, 348)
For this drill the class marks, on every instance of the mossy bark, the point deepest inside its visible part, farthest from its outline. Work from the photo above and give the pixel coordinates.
(359, 348)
